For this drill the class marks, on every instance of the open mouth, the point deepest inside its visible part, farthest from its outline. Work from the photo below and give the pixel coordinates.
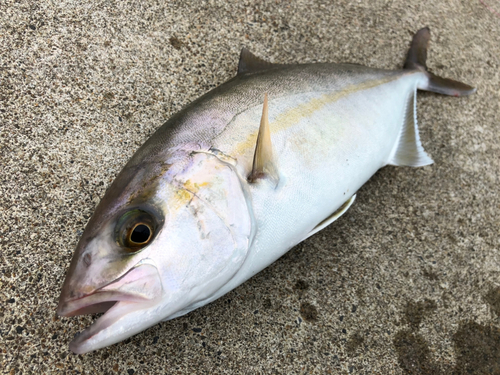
(121, 302)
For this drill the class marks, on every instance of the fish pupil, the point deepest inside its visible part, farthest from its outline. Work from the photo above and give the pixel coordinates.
(140, 234)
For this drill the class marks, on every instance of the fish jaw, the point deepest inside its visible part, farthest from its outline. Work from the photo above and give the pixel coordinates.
(204, 233)
(123, 320)
(130, 305)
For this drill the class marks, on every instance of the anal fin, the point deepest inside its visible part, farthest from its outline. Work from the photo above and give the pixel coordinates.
(333, 217)
(408, 149)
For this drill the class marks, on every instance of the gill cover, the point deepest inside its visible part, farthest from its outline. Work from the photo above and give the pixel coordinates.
(214, 227)
(171, 238)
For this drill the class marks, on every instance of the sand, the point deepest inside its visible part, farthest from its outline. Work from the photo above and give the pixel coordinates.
(407, 282)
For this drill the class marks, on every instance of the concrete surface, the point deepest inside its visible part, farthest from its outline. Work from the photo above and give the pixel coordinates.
(407, 282)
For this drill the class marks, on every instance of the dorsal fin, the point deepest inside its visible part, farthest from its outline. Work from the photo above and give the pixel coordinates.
(263, 164)
(249, 63)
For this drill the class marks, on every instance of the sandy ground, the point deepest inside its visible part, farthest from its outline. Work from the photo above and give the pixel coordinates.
(407, 282)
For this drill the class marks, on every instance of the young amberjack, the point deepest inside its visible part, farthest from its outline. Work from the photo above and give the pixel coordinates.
(237, 178)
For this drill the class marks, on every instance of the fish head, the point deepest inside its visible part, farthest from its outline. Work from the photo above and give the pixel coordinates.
(164, 239)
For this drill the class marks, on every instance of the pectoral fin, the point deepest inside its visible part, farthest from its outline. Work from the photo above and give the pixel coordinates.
(263, 163)
(333, 217)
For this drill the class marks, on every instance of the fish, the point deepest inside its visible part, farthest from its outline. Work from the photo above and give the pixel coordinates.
(236, 179)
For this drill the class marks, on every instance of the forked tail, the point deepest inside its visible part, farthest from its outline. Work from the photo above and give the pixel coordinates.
(408, 149)
(417, 55)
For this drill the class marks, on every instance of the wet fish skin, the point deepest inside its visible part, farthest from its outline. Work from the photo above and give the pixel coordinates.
(332, 127)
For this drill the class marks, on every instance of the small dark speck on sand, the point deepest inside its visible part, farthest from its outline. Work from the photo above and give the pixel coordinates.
(493, 299)
(308, 312)
(12, 300)
(267, 303)
(301, 285)
(416, 311)
(355, 341)
(176, 43)
(130, 371)
(477, 349)
(197, 330)
(414, 355)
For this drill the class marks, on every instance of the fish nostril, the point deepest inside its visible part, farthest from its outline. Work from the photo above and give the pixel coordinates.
(87, 259)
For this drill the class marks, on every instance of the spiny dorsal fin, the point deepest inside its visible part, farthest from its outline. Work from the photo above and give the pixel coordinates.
(263, 164)
(249, 63)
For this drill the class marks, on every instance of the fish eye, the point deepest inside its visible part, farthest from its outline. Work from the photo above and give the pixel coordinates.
(135, 230)
(140, 234)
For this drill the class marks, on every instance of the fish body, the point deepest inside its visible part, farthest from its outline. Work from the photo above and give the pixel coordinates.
(325, 146)
(193, 215)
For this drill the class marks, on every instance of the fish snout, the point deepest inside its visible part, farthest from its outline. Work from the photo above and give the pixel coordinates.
(141, 283)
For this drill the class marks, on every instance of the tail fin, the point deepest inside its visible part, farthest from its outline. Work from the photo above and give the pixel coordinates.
(417, 55)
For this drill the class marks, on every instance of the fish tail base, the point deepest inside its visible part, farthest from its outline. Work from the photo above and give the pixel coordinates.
(416, 60)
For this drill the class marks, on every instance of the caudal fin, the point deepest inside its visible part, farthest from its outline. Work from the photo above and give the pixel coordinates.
(417, 55)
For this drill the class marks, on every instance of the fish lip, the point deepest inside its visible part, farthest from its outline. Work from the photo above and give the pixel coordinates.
(107, 293)
(69, 308)
(139, 288)
(82, 305)
(102, 333)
